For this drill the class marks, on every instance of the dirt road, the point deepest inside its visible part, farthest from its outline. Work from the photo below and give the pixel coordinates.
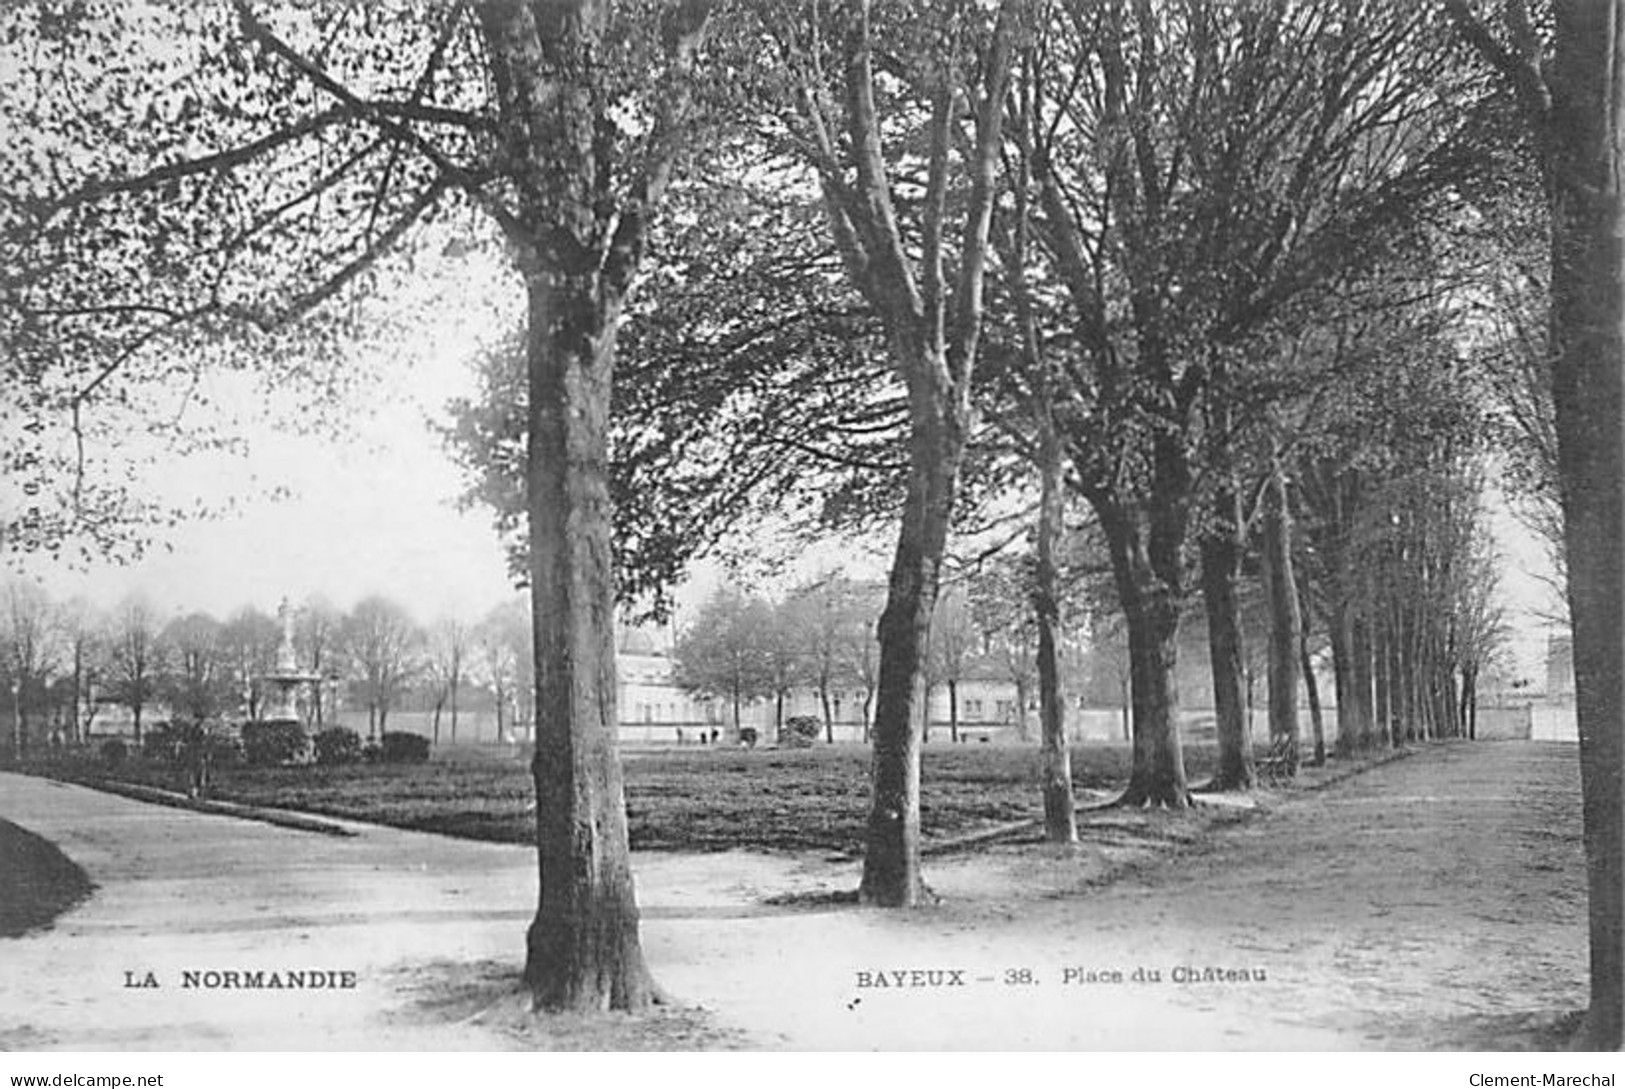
(1434, 902)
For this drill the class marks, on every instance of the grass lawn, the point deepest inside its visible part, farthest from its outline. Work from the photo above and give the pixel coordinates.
(40, 883)
(692, 799)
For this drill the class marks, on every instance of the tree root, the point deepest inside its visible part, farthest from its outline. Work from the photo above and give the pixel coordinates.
(1140, 798)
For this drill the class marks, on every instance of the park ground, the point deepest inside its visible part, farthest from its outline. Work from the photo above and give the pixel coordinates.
(1430, 902)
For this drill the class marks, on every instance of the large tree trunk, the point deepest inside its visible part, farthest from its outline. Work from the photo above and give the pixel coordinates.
(1337, 635)
(1286, 621)
(583, 947)
(1023, 695)
(1221, 563)
(1351, 661)
(891, 860)
(1317, 719)
(583, 950)
(1060, 807)
(1449, 700)
(1381, 675)
(1146, 541)
(932, 338)
(1469, 702)
(1583, 150)
(1158, 771)
(1151, 611)
(1360, 653)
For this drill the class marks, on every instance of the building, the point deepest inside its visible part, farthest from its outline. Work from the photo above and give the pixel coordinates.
(1560, 667)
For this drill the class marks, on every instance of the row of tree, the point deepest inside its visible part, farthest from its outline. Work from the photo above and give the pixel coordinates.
(741, 647)
(62, 662)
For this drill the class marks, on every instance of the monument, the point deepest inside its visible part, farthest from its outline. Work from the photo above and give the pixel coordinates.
(282, 684)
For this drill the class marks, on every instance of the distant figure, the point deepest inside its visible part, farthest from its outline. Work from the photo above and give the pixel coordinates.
(679, 735)
(715, 733)
(197, 758)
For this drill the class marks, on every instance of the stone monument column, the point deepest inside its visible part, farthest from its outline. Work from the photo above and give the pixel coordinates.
(285, 681)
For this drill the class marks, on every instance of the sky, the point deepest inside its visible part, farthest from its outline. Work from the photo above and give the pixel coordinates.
(369, 512)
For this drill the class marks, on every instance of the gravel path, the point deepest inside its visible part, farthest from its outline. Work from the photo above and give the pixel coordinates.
(1433, 902)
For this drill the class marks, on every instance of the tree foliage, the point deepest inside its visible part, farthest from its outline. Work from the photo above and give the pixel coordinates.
(725, 651)
(383, 647)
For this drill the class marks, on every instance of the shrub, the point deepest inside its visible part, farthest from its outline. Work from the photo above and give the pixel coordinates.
(225, 751)
(336, 745)
(747, 736)
(211, 739)
(800, 732)
(267, 744)
(113, 752)
(160, 742)
(401, 747)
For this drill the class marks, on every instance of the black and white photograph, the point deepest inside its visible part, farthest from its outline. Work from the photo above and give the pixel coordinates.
(812, 526)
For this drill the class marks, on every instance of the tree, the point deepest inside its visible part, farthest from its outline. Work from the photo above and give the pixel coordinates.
(251, 637)
(30, 652)
(1573, 101)
(750, 382)
(998, 594)
(725, 652)
(786, 656)
(447, 665)
(554, 102)
(198, 683)
(383, 647)
(954, 648)
(81, 631)
(1034, 380)
(317, 630)
(829, 620)
(500, 645)
(135, 658)
(860, 650)
(135, 264)
(959, 65)
(1286, 629)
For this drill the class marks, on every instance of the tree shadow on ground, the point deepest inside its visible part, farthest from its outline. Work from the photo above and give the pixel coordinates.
(490, 995)
(1542, 1031)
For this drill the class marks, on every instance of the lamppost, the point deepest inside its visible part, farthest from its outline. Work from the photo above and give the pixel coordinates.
(82, 720)
(16, 721)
